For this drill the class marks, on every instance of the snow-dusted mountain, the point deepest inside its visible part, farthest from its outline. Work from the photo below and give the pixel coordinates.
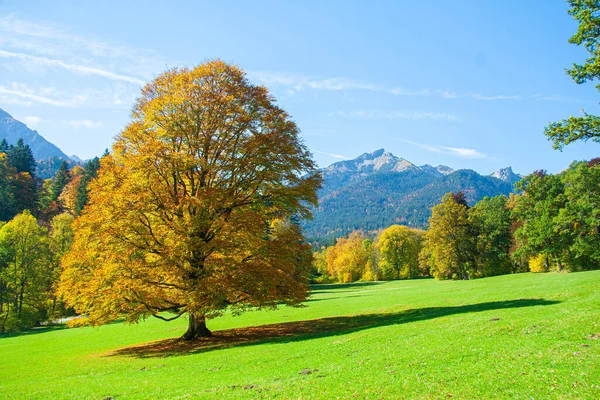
(507, 175)
(377, 161)
(378, 189)
(440, 170)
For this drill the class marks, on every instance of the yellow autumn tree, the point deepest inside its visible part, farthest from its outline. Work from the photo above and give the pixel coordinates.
(399, 248)
(348, 259)
(192, 212)
(450, 240)
(68, 196)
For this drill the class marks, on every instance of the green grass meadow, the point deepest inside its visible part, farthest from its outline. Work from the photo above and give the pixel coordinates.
(517, 336)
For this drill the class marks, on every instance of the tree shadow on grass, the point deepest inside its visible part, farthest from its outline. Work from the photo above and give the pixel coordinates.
(335, 287)
(34, 331)
(51, 327)
(311, 329)
(311, 300)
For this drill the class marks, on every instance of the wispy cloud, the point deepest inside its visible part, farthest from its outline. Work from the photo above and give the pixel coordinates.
(56, 41)
(299, 82)
(39, 48)
(296, 83)
(461, 152)
(445, 94)
(42, 95)
(84, 123)
(478, 96)
(338, 156)
(396, 115)
(82, 69)
(6, 99)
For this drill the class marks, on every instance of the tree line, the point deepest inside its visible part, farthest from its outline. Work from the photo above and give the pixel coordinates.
(552, 223)
(35, 235)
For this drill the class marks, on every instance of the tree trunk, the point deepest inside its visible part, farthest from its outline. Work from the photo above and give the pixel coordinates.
(197, 328)
(3, 327)
(560, 267)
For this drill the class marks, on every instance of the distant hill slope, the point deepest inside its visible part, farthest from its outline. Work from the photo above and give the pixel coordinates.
(12, 130)
(379, 189)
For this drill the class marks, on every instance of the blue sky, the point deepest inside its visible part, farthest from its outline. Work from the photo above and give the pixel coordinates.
(469, 84)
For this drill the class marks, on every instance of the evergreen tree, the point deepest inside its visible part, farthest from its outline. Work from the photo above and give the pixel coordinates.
(60, 181)
(21, 157)
(90, 172)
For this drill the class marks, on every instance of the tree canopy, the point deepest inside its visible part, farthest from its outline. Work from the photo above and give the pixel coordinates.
(587, 126)
(194, 210)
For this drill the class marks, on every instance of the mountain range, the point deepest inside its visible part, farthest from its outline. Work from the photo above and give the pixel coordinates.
(373, 191)
(378, 189)
(48, 156)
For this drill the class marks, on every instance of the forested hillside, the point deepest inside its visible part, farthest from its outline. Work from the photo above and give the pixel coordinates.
(379, 189)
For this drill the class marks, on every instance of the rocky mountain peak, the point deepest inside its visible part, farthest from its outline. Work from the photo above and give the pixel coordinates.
(377, 161)
(506, 175)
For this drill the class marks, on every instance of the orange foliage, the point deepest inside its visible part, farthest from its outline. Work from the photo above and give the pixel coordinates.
(190, 212)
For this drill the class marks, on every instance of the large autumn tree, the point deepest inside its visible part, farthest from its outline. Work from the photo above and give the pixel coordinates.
(194, 210)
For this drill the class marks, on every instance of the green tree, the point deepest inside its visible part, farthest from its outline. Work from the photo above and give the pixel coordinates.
(21, 158)
(90, 172)
(60, 240)
(399, 248)
(8, 174)
(23, 271)
(536, 210)
(579, 218)
(491, 220)
(60, 181)
(586, 127)
(450, 240)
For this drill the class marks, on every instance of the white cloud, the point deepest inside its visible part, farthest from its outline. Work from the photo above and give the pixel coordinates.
(461, 152)
(397, 115)
(30, 120)
(296, 83)
(398, 91)
(37, 96)
(36, 48)
(114, 96)
(338, 156)
(299, 82)
(84, 123)
(11, 99)
(52, 40)
(71, 67)
(478, 96)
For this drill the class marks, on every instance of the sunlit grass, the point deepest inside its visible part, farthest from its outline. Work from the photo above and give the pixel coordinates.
(519, 336)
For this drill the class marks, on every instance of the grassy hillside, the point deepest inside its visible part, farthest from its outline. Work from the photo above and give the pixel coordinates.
(520, 336)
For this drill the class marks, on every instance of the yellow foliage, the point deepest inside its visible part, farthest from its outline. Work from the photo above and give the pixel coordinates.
(399, 248)
(538, 263)
(348, 258)
(189, 212)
